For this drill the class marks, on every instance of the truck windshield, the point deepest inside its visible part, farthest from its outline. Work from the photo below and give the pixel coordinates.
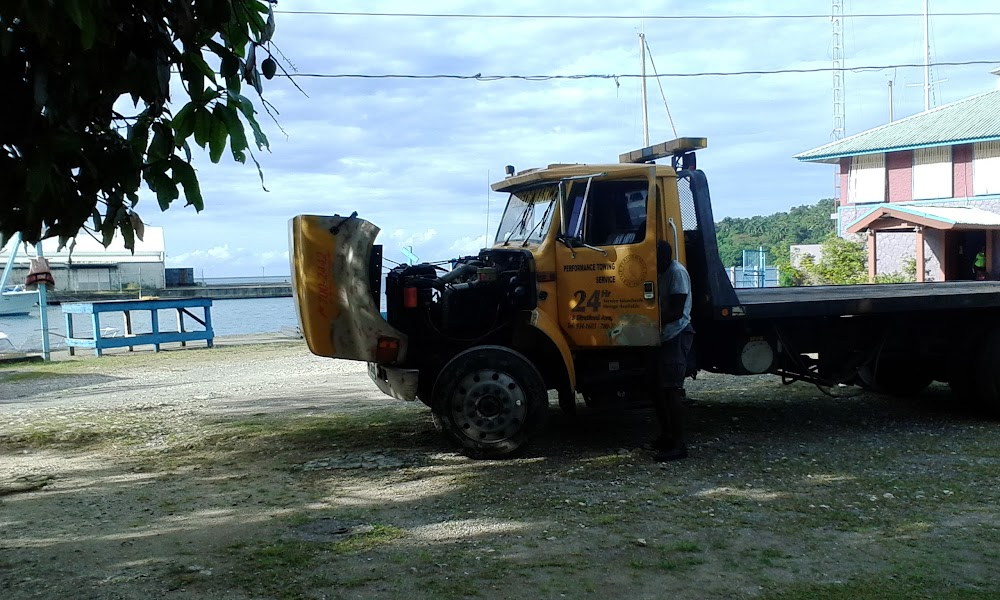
(528, 214)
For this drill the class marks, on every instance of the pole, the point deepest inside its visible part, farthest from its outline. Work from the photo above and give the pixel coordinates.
(890, 101)
(645, 111)
(43, 308)
(927, 58)
(487, 245)
(10, 261)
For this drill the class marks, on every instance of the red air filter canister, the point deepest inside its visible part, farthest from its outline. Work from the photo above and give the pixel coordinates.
(409, 297)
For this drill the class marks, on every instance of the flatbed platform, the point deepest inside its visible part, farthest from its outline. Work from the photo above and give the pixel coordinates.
(840, 300)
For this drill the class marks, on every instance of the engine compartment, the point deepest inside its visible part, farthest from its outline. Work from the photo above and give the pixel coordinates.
(473, 303)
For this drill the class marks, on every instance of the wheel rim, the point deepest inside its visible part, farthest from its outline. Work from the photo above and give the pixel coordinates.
(488, 406)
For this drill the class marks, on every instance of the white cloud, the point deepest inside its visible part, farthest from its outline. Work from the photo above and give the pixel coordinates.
(467, 246)
(415, 157)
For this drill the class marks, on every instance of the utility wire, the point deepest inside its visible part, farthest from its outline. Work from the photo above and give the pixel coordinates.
(481, 77)
(628, 17)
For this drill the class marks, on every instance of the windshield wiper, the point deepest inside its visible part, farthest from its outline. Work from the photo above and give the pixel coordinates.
(545, 218)
(520, 224)
(574, 243)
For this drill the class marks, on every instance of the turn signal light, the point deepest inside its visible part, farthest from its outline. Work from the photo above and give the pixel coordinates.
(409, 297)
(387, 350)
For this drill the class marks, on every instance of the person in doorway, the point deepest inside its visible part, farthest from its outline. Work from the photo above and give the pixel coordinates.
(979, 266)
(676, 341)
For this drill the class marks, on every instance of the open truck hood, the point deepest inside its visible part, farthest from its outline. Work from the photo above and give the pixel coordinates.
(331, 282)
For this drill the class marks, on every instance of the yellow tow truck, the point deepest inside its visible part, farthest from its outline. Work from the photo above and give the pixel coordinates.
(565, 299)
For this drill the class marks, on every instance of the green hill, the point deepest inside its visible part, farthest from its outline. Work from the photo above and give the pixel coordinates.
(807, 224)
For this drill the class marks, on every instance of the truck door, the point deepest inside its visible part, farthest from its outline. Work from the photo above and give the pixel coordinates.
(606, 272)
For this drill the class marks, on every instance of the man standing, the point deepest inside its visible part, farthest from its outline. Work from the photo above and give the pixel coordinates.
(676, 340)
(979, 266)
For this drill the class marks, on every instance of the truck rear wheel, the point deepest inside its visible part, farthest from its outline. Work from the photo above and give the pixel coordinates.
(489, 400)
(987, 375)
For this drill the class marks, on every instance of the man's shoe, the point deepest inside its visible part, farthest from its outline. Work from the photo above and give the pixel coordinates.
(672, 454)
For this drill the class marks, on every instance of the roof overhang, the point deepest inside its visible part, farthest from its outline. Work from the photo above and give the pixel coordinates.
(887, 217)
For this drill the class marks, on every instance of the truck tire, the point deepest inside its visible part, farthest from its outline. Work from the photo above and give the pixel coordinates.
(895, 378)
(489, 400)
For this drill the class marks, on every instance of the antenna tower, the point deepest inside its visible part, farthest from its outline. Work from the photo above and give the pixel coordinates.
(837, 21)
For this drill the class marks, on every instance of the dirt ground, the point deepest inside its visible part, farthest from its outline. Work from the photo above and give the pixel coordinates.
(262, 471)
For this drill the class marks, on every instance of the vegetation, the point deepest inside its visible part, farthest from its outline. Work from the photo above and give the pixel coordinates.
(806, 224)
(69, 157)
(842, 262)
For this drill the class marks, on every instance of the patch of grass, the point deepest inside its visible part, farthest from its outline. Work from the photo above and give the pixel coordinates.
(24, 376)
(89, 432)
(278, 569)
(686, 547)
(380, 535)
(879, 589)
(286, 569)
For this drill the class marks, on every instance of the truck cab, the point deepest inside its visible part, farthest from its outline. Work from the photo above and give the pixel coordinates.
(564, 299)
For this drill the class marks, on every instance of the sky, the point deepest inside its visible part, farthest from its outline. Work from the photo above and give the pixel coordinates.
(416, 156)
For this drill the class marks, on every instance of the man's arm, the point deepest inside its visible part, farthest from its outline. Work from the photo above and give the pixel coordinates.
(672, 309)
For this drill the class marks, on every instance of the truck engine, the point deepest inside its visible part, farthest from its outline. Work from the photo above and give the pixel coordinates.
(444, 311)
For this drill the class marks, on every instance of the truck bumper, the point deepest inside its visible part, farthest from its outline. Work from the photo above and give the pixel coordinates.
(398, 383)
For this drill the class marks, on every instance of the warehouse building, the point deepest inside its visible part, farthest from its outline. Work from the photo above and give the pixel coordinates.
(90, 267)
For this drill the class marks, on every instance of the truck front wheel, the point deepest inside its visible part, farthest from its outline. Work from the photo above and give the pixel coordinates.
(489, 400)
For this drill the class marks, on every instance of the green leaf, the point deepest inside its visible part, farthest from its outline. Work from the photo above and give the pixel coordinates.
(75, 12)
(166, 190)
(183, 122)
(246, 107)
(163, 142)
(88, 29)
(137, 225)
(219, 131)
(237, 135)
(185, 175)
(138, 135)
(195, 59)
(202, 126)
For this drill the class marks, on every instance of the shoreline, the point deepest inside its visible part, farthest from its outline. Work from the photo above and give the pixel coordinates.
(247, 339)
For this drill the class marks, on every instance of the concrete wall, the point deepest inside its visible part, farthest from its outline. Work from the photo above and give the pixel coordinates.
(933, 255)
(899, 171)
(893, 249)
(845, 172)
(961, 164)
(99, 279)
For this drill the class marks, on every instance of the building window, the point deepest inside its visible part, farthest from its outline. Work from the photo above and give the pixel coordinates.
(986, 168)
(866, 180)
(932, 173)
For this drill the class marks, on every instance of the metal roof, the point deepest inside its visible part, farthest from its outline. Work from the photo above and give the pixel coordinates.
(974, 119)
(89, 250)
(935, 217)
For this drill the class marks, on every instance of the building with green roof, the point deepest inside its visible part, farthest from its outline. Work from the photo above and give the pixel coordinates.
(925, 188)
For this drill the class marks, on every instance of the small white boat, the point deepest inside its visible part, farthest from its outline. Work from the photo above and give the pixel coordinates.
(17, 302)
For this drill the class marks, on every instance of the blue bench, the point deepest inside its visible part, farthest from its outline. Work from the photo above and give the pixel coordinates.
(155, 337)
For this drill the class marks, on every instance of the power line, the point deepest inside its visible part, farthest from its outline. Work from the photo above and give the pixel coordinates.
(627, 17)
(481, 77)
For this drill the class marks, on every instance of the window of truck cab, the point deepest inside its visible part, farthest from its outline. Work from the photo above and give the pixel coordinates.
(528, 214)
(614, 215)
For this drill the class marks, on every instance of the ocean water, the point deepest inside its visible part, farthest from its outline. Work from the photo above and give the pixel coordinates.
(229, 317)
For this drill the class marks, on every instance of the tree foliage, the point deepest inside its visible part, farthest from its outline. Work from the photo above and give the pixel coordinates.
(86, 106)
(807, 224)
(842, 262)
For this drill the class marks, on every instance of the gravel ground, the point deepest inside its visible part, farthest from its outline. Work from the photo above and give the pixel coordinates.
(261, 471)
